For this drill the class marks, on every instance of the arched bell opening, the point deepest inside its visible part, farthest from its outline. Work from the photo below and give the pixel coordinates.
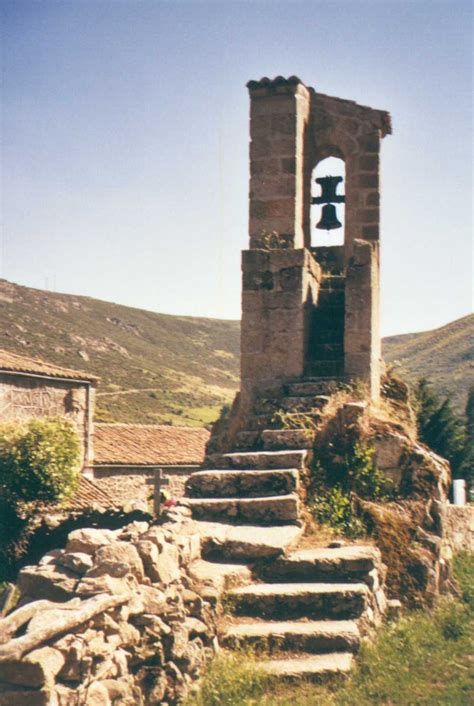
(327, 211)
(324, 334)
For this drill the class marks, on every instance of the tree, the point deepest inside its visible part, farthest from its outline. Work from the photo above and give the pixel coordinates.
(439, 427)
(467, 467)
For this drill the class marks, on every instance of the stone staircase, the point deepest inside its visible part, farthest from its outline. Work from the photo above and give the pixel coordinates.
(263, 428)
(304, 611)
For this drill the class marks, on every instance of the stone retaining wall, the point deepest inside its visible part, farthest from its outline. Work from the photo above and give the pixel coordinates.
(460, 527)
(111, 620)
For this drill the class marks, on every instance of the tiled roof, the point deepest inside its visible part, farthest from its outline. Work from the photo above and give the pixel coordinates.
(12, 362)
(87, 495)
(143, 444)
(266, 82)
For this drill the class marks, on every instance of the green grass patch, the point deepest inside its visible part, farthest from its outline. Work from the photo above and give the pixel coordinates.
(425, 659)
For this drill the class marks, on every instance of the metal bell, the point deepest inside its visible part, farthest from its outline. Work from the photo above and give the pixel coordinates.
(328, 219)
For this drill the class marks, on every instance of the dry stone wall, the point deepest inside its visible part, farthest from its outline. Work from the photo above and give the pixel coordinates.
(110, 620)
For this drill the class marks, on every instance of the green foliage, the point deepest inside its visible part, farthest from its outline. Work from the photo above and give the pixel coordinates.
(339, 482)
(39, 461)
(188, 362)
(39, 464)
(443, 355)
(440, 428)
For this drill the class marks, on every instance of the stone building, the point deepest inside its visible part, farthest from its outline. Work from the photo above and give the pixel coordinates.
(32, 388)
(125, 456)
(309, 311)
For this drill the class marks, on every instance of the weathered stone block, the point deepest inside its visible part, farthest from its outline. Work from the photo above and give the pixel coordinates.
(368, 181)
(122, 552)
(257, 280)
(89, 540)
(267, 166)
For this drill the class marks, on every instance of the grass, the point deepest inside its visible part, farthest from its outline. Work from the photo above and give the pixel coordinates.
(425, 659)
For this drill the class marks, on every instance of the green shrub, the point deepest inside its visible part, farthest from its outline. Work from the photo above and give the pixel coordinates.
(39, 461)
(39, 464)
(338, 484)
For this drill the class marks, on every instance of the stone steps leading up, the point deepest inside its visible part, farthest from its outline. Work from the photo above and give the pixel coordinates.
(298, 600)
(279, 439)
(263, 460)
(317, 667)
(249, 484)
(349, 563)
(244, 543)
(277, 509)
(313, 387)
(315, 636)
(219, 575)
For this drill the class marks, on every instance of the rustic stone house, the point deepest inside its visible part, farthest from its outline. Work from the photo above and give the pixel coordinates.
(125, 456)
(32, 388)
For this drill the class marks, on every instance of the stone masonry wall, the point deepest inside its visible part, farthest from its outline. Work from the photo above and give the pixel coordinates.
(131, 484)
(23, 397)
(292, 129)
(111, 620)
(279, 287)
(460, 528)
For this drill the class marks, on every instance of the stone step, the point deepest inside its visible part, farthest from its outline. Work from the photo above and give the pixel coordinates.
(270, 510)
(248, 484)
(258, 422)
(263, 460)
(314, 636)
(351, 563)
(318, 667)
(307, 388)
(328, 601)
(287, 438)
(311, 403)
(218, 575)
(247, 440)
(225, 541)
(289, 403)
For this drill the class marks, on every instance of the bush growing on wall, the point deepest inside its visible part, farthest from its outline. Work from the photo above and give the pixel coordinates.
(39, 461)
(39, 464)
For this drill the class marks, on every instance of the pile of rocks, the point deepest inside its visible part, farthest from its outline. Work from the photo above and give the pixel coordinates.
(111, 620)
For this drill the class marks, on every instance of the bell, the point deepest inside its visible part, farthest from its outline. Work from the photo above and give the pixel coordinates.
(328, 219)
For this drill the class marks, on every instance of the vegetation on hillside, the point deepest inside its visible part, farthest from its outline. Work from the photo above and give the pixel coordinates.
(444, 355)
(425, 659)
(154, 368)
(449, 434)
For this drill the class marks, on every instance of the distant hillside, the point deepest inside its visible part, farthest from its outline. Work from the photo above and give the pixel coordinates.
(161, 368)
(444, 355)
(153, 367)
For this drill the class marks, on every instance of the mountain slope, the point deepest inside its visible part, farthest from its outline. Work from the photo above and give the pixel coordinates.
(444, 355)
(153, 367)
(159, 368)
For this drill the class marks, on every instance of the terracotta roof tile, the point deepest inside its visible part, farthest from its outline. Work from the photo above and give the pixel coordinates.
(142, 444)
(12, 362)
(87, 495)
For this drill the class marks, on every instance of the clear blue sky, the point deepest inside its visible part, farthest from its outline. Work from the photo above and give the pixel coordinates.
(125, 142)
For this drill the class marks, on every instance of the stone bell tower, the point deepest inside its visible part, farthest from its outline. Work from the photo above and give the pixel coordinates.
(310, 312)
